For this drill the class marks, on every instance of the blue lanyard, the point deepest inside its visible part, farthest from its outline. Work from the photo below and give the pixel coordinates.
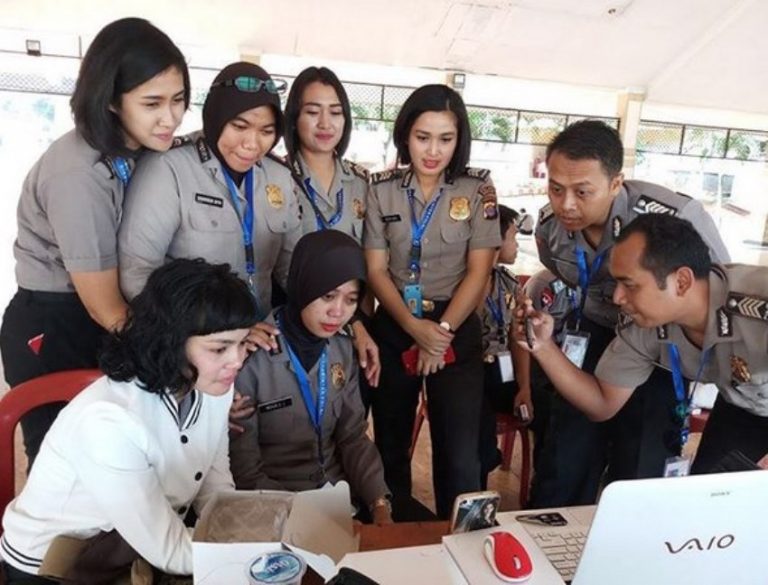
(683, 402)
(586, 275)
(312, 195)
(496, 308)
(245, 216)
(418, 228)
(123, 170)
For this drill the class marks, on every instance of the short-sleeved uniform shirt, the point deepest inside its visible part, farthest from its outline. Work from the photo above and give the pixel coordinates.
(466, 218)
(348, 193)
(557, 246)
(737, 333)
(179, 206)
(68, 216)
(550, 294)
(503, 297)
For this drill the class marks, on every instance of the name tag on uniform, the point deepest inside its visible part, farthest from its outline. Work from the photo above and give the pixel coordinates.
(391, 218)
(575, 346)
(276, 404)
(209, 200)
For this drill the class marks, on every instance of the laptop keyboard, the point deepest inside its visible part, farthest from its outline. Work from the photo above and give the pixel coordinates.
(563, 549)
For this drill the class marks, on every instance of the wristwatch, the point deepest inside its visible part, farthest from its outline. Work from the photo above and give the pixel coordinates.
(447, 326)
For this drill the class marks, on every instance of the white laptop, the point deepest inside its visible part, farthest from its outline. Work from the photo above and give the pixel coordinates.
(703, 529)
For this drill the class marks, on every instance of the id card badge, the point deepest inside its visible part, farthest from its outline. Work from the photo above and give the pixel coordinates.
(413, 298)
(677, 466)
(575, 346)
(507, 372)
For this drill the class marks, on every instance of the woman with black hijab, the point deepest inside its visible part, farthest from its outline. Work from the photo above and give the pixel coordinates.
(218, 194)
(309, 426)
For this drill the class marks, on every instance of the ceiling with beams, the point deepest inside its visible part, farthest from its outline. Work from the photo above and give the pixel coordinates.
(704, 53)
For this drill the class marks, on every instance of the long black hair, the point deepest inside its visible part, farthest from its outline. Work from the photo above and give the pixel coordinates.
(181, 299)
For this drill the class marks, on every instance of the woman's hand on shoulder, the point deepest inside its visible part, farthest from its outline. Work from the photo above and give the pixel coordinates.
(367, 353)
(241, 408)
(264, 336)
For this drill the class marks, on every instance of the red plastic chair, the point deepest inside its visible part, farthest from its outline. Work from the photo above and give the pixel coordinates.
(56, 387)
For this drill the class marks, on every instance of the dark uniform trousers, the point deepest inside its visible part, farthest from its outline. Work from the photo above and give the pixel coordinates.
(730, 428)
(454, 401)
(70, 341)
(498, 398)
(634, 444)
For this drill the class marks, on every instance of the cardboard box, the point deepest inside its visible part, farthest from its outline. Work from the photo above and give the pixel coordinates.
(318, 527)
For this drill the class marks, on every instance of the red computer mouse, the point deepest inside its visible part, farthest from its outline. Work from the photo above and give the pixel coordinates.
(507, 557)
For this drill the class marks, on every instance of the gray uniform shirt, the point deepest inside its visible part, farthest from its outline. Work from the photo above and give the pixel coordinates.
(350, 184)
(737, 333)
(466, 218)
(278, 448)
(179, 206)
(550, 294)
(503, 297)
(557, 246)
(68, 215)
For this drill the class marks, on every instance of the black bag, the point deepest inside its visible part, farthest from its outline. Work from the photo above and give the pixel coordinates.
(347, 576)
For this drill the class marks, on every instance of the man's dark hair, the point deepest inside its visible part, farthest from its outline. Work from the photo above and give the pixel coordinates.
(295, 102)
(181, 299)
(670, 243)
(507, 217)
(125, 54)
(434, 98)
(591, 139)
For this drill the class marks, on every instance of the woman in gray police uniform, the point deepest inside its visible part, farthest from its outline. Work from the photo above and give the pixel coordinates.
(430, 235)
(217, 194)
(131, 93)
(309, 427)
(332, 191)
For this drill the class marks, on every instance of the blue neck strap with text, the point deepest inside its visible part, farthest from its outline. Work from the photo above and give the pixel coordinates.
(586, 276)
(123, 170)
(682, 409)
(497, 306)
(418, 228)
(312, 195)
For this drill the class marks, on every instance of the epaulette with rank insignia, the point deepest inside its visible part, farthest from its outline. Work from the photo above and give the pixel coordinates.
(281, 160)
(181, 141)
(546, 213)
(202, 150)
(750, 306)
(358, 170)
(477, 173)
(646, 204)
(384, 176)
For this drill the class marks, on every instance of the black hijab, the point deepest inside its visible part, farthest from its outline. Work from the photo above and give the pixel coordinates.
(224, 103)
(321, 262)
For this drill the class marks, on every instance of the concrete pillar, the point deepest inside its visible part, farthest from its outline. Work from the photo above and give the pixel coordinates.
(629, 106)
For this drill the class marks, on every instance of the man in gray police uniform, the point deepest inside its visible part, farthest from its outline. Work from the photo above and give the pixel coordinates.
(589, 205)
(713, 317)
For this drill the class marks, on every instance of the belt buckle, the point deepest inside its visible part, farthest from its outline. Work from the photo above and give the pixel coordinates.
(427, 305)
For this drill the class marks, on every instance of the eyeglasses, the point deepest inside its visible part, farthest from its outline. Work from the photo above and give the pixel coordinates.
(254, 84)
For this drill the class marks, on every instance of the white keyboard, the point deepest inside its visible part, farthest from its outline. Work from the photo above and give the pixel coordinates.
(563, 548)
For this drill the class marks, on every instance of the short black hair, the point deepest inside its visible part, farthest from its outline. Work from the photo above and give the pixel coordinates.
(181, 299)
(507, 217)
(591, 139)
(670, 243)
(125, 54)
(434, 98)
(295, 101)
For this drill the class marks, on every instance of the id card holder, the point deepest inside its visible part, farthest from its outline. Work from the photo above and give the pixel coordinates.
(413, 298)
(575, 344)
(507, 372)
(677, 466)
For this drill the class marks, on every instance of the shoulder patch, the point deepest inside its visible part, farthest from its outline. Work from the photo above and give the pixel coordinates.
(202, 150)
(750, 306)
(389, 175)
(477, 173)
(358, 170)
(646, 204)
(546, 213)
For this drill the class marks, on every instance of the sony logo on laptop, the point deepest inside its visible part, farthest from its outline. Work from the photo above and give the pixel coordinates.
(695, 544)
